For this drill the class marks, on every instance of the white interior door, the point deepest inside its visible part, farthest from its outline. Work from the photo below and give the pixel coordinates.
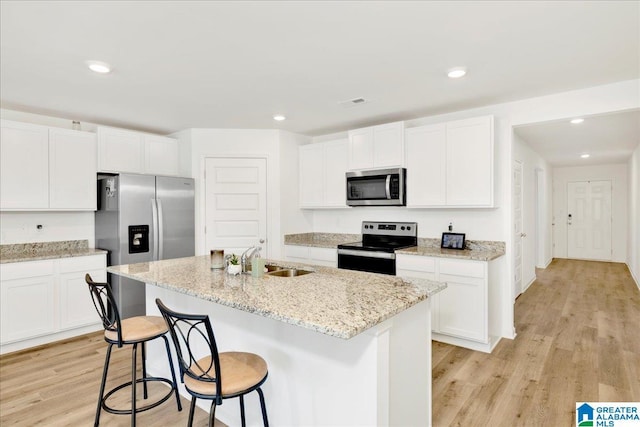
(589, 220)
(518, 233)
(236, 204)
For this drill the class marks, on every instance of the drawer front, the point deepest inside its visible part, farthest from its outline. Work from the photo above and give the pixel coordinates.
(463, 268)
(82, 263)
(20, 270)
(323, 254)
(296, 251)
(415, 263)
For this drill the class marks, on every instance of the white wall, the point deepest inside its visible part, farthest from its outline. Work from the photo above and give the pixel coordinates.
(279, 148)
(633, 247)
(493, 224)
(532, 256)
(21, 227)
(617, 174)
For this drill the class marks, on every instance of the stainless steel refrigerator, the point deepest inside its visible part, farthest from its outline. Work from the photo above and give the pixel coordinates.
(143, 218)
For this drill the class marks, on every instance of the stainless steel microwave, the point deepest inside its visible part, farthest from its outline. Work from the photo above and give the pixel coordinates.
(381, 187)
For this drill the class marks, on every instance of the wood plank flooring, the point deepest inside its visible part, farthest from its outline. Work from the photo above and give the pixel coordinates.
(58, 384)
(578, 329)
(578, 340)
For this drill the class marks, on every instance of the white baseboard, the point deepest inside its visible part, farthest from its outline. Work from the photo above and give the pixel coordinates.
(529, 284)
(633, 276)
(471, 345)
(46, 339)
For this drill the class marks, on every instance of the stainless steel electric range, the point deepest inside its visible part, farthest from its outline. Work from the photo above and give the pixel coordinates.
(376, 252)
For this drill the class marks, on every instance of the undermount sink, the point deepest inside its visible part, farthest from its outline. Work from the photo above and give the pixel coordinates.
(269, 268)
(288, 272)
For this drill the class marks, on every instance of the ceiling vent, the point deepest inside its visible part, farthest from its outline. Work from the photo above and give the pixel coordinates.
(353, 102)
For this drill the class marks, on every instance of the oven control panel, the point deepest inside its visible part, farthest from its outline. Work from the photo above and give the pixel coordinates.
(390, 228)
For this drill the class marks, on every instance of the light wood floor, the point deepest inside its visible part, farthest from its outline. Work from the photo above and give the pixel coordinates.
(58, 384)
(578, 329)
(578, 340)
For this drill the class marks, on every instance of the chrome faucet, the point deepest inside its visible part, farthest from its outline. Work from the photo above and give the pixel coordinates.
(245, 256)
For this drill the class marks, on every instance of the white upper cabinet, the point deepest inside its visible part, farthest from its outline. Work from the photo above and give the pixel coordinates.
(72, 169)
(377, 146)
(322, 174)
(161, 155)
(335, 169)
(311, 175)
(24, 166)
(451, 164)
(470, 162)
(122, 150)
(425, 148)
(46, 168)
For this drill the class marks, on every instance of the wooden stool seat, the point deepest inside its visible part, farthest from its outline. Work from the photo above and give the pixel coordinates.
(138, 329)
(241, 372)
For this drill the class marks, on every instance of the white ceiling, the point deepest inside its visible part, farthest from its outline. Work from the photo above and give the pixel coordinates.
(179, 65)
(608, 139)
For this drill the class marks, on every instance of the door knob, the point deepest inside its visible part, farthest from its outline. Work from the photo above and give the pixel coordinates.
(261, 240)
(523, 234)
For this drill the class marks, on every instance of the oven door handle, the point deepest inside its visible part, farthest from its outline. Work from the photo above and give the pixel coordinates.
(367, 254)
(387, 187)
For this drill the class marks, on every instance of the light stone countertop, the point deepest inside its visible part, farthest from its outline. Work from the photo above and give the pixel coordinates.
(23, 252)
(476, 254)
(340, 303)
(320, 240)
(478, 250)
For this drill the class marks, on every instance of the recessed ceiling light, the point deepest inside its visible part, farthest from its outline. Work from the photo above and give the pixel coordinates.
(585, 155)
(99, 67)
(456, 73)
(279, 117)
(577, 121)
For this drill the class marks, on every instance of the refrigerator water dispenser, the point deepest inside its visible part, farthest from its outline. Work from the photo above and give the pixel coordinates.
(138, 239)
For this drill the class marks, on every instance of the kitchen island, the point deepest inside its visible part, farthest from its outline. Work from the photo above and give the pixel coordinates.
(343, 347)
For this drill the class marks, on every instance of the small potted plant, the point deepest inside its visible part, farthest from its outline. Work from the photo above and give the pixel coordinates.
(234, 266)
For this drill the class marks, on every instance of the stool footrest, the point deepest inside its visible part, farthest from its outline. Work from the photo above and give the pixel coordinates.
(142, 408)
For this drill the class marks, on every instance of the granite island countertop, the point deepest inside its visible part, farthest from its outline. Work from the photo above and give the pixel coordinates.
(340, 303)
(23, 252)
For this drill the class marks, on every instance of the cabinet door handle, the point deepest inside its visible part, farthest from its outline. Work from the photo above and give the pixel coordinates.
(523, 234)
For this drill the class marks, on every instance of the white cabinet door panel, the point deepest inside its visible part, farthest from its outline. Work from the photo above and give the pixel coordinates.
(24, 166)
(462, 308)
(311, 175)
(120, 150)
(161, 155)
(335, 168)
(470, 162)
(72, 174)
(388, 145)
(361, 149)
(425, 149)
(27, 308)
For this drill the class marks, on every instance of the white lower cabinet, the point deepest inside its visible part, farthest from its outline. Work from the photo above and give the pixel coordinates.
(460, 313)
(44, 301)
(327, 257)
(27, 300)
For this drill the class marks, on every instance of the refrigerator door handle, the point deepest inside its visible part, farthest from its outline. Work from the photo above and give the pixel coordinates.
(160, 231)
(154, 226)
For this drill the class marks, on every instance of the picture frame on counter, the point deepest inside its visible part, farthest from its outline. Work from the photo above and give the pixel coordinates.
(453, 241)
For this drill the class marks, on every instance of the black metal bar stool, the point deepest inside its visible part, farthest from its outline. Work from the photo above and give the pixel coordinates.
(216, 376)
(131, 331)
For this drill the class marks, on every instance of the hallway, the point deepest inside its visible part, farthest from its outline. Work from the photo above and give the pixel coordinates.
(578, 340)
